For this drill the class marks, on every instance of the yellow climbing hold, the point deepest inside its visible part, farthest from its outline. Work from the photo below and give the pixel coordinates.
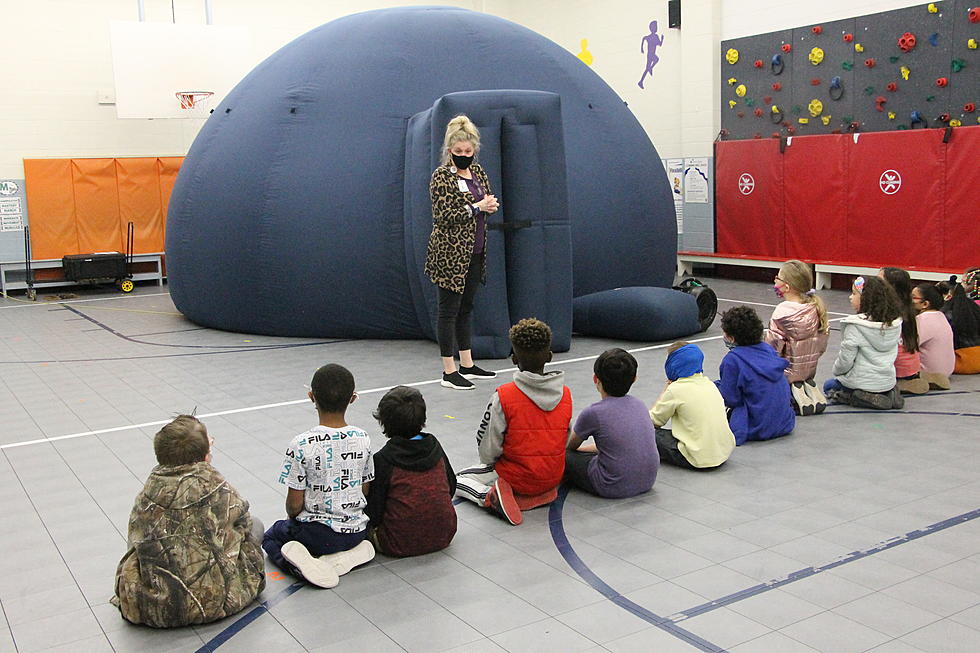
(955, 123)
(858, 47)
(731, 56)
(816, 107)
(804, 121)
(972, 44)
(816, 56)
(932, 8)
(891, 115)
(731, 81)
(905, 72)
(775, 109)
(740, 90)
(825, 120)
(731, 104)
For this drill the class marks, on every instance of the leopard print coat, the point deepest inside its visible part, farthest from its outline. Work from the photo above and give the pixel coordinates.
(453, 229)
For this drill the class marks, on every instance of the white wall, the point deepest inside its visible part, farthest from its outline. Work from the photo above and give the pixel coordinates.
(748, 17)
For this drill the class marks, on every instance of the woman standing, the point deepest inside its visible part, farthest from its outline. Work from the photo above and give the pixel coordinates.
(457, 257)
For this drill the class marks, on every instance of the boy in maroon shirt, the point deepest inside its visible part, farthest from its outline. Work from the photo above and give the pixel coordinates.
(410, 502)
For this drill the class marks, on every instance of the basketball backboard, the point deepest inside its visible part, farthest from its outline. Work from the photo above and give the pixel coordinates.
(153, 62)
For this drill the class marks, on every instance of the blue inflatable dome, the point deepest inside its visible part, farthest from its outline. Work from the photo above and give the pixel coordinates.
(302, 207)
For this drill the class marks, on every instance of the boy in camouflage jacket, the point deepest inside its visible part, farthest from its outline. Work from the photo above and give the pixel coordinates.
(193, 553)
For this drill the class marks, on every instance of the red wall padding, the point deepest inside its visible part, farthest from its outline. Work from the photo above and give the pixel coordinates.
(749, 192)
(961, 238)
(830, 193)
(816, 197)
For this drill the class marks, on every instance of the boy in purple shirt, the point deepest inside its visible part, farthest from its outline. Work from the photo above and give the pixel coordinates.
(623, 461)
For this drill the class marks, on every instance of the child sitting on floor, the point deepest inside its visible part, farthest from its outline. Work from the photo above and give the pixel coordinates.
(752, 381)
(964, 318)
(194, 554)
(701, 437)
(865, 367)
(798, 331)
(523, 433)
(935, 336)
(410, 504)
(328, 470)
(623, 459)
(908, 362)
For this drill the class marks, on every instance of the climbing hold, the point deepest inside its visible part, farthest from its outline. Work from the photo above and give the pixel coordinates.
(957, 65)
(767, 99)
(776, 86)
(971, 44)
(880, 103)
(758, 112)
(858, 47)
(969, 107)
(817, 29)
(932, 8)
(757, 135)
(815, 107)
(974, 15)
(731, 104)
(740, 114)
(894, 59)
(825, 120)
(836, 88)
(731, 81)
(943, 117)
(870, 63)
(757, 63)
(930, 98)
(848, 37)
(916, 116)
(815, 81)
(905, 72)
(854, 126)
(723, 132)
(731, 56)
(775, 109)
(816, 56)
(934, 39)
(942, 82)
(786, 47)
(797, 109)
(869, 90)
(776, 65)
(892, 86)
(955, 123)
(740, 90)
(847, 65)
(804, 121)
(791, 130)
(749, 102)
(906, 42)
(891, 115)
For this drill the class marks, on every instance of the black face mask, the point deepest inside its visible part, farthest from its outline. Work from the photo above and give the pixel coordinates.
(462, 162)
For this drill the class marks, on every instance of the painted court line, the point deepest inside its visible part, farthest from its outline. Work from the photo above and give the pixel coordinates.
(27, 304)
(248, 618)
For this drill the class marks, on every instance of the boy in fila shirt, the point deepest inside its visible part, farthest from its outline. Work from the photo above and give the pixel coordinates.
(328, 471)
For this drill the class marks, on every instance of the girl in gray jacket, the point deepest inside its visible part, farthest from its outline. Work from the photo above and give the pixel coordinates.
(864, 372)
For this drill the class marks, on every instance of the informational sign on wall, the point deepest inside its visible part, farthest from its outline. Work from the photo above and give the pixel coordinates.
(675, 177)
(696, 180)
(13, 217)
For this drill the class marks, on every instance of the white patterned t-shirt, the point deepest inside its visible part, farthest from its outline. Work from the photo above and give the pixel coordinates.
(331, 466)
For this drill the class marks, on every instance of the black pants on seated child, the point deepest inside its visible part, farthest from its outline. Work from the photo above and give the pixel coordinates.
(318, 538)
(577, 470)
(669, 453)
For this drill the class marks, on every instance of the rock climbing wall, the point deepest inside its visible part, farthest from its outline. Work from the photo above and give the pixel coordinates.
(905, 69)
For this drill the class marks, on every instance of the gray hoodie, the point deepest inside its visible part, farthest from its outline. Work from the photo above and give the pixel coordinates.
(545, 390)
(866, 360)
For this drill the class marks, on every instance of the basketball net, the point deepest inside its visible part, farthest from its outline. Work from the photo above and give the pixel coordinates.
(195, 104)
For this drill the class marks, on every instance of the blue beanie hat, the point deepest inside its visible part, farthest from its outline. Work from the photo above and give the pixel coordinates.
(686, 361)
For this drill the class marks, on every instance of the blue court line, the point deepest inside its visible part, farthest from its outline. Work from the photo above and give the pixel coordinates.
(580, 568)
(248, 618)
(807, 572)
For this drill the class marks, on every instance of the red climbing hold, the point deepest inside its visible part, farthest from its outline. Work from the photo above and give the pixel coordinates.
(942, 82)
(776, 86)
(757, 135)
(740, 114)
(758, 112)
(906, 42)
(969, 107)
(892, 86)
(944, 117)
(870, 63)
(815, 81)
(791, 130)
(848, 37)
(787, 47)
(816, 29)
(974, 15)
(757, 63)
(767, 99)
(880, 103)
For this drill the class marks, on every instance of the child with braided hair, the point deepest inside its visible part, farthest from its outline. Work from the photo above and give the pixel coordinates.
(522, 436)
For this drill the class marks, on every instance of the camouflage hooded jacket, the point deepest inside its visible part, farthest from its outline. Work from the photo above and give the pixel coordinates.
(191, 556)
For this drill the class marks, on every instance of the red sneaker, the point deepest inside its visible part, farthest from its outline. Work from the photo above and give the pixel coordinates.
(501, 500)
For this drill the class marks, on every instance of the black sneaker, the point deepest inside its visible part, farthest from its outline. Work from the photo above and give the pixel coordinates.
(475, 373)
(456, 382)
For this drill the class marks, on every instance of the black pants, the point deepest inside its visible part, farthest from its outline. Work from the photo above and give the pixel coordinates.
(455, 323)
(577, 470)
(669, 453)
(317, 537)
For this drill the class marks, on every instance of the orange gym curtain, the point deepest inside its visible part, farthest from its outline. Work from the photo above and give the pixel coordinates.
(79, 206)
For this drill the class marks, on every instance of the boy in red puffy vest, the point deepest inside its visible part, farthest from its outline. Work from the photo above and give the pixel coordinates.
(523, 433)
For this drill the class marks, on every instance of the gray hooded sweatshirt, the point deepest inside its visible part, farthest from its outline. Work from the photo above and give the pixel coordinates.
(866, 360)
(545, 390)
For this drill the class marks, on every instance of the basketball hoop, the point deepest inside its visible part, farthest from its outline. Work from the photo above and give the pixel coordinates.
(195, 103)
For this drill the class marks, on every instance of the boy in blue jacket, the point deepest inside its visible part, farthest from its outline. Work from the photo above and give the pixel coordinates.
(752, 382)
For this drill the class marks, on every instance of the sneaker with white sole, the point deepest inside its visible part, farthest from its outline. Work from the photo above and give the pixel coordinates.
(500, 499)
(344, 561)
(315, 571)
(475, 373)
(455, 381)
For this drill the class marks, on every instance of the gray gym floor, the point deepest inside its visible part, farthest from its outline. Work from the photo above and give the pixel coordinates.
(858, 532)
